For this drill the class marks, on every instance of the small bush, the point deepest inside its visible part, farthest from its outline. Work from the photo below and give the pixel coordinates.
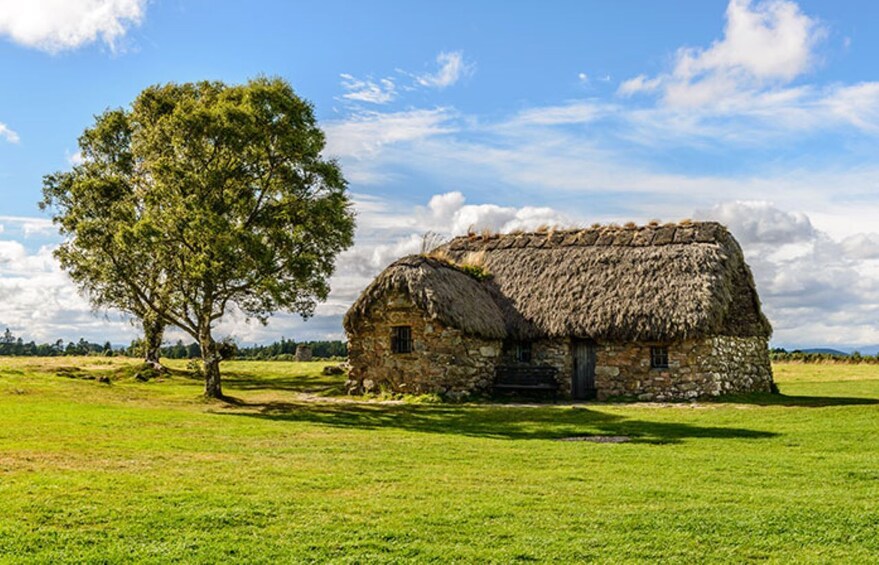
(478, 272)
(429, 398)
(195, 366)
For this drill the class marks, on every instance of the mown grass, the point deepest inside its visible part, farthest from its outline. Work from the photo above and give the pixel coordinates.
(288, 472)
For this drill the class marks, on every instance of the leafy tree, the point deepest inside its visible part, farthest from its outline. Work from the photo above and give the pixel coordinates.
(226, 196)
(94, 204)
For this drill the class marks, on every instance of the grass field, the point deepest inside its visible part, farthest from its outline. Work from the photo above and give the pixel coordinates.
(149, 472)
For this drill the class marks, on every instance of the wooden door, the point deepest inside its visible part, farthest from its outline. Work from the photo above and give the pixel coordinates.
(583, 379)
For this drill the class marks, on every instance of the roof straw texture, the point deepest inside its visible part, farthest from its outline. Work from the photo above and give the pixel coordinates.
(652, 283)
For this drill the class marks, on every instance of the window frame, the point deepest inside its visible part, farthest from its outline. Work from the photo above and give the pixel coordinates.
(401, 340)
(659, 358)
(522, 352)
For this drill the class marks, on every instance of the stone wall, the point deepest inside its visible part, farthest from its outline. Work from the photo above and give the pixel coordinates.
(446, 361)
(443, 360)
(556, 353)
(303, 353)
(697, 368)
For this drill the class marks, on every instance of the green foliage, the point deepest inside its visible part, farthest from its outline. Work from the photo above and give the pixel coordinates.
(142, 472)
(94, 205)
(478, 272)
(199, 197)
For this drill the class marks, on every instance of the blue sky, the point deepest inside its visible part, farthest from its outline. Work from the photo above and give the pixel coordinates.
(447, 116)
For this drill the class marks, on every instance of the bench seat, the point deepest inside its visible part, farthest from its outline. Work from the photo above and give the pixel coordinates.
(526, 378)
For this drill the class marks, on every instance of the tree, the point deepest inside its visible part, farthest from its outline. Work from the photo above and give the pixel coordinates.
(235, 205)
(94, 204)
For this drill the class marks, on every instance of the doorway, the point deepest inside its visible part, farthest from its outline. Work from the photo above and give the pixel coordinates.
(583, 378)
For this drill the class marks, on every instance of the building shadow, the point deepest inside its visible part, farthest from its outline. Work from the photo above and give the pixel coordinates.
(508, 423)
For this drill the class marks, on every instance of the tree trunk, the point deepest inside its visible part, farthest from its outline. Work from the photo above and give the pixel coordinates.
(153, 334)
(210, 357)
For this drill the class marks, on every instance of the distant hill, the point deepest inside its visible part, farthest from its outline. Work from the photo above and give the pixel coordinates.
(824, 351)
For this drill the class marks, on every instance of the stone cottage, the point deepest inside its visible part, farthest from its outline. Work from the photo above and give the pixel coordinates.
(658, 312)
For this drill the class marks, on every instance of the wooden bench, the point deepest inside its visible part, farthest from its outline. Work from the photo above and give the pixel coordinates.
(527, 378)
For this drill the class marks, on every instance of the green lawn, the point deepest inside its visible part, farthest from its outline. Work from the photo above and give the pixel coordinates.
(290, 472)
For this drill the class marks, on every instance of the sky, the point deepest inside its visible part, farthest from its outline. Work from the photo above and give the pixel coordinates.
(504, 115)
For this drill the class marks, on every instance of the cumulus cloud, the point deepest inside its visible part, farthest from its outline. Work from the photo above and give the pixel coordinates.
(815, 289)
(447, 213)
(767, 43)
(368, 90)
(747, 78)
(452, 68)
(741, 89)
(761, 222)
(58, 25)
(38, 301)
(8, 134)
(862, 246)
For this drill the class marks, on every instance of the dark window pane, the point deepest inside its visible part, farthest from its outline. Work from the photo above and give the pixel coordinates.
(401, 339)
(659, 357)
(523, 352)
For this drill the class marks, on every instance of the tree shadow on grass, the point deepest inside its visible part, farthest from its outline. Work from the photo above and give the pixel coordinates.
(488, 422)
(766, 399)
(295, 383)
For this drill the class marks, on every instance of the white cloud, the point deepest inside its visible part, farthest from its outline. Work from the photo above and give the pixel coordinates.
(368, 90)
(38, 301)
(578, 112)
(8, 134)
(362, 138)
(816, 290)
(448, 214)
(637, 84)
(771, 40)
(58, 25)
(452, 67)
(761, 222)
(766, 44)
(857, 105)
(862, 246)
(29, 226)
(741, 88)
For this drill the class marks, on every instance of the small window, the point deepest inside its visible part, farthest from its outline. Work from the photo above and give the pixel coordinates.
(659, 357)
(522, 352)
(401, 339)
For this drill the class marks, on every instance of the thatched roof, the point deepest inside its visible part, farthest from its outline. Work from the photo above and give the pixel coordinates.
(651, 283)
(439, 288)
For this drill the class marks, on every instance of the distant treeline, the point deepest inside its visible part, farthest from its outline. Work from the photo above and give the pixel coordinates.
(11, 345)
(797, 356)
(283, 350)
